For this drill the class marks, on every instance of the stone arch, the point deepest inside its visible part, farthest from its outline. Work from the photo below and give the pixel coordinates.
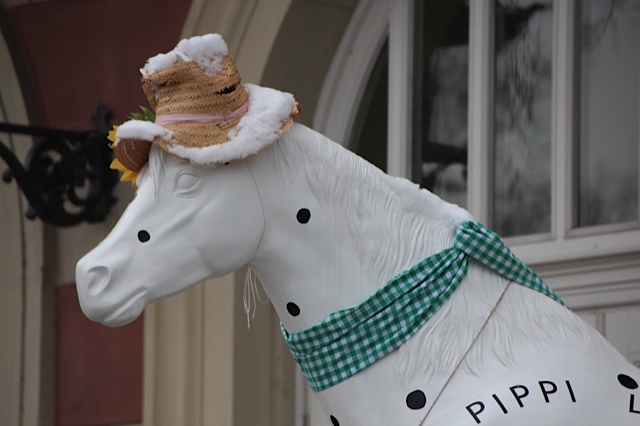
(26, 363)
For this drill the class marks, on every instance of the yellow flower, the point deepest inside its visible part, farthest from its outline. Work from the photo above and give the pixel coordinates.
(127, 175)
(112, 136)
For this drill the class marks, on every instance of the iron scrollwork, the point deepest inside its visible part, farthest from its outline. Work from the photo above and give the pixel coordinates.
(65, 177)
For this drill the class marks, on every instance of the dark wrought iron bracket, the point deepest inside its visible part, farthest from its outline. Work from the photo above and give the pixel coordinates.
(65, 177)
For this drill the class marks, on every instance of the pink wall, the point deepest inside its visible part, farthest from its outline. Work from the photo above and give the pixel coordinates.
(99, 370)
(81, 52)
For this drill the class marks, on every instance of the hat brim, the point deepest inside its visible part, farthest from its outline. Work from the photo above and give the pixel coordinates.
(269, 115)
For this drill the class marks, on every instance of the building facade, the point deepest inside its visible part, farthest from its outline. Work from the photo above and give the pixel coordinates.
(525, 112)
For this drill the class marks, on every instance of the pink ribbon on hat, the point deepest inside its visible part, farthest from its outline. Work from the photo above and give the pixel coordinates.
(163, 120)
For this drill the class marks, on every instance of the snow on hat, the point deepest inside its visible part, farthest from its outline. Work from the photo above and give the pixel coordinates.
(204, 113)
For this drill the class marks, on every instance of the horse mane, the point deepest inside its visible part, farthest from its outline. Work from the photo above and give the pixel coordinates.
(383, 211)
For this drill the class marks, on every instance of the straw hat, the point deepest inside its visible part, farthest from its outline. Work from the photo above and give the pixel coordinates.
(203, 112)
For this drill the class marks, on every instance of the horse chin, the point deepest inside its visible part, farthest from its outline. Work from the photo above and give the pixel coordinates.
(124, 314)
(118, 319)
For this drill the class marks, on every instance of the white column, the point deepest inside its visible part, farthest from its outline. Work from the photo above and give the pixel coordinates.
(480, 139)
(400, 88)
(563, 136)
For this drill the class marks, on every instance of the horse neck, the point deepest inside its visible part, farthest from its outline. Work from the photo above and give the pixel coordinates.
(365, 227)
(334, 262)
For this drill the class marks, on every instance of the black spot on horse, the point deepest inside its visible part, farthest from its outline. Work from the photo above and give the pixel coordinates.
(334, 421)
(303, 215)
(143, 236)
(627, 381)
(416, 400)
(293, 309)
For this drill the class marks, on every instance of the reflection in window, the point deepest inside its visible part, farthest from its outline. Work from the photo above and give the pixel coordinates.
(522, 145)
(609, 112)
(369, 132)
(441, 104)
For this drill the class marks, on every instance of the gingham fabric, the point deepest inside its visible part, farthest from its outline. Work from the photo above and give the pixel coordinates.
(350, 340)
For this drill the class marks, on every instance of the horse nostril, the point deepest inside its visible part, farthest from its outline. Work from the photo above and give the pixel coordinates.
(98, 279)
(143, 236)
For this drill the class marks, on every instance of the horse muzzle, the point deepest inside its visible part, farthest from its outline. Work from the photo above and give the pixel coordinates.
(101, 300)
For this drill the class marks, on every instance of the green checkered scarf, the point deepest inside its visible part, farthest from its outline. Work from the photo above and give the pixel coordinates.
(350, 340)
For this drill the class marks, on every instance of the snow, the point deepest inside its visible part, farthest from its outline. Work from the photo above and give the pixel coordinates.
(206, 50)
(143, 130)
(261, 126)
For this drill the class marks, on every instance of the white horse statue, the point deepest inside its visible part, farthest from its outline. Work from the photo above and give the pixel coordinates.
(346, 255)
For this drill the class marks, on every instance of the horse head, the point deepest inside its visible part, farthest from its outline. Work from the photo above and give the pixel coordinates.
(186, 224)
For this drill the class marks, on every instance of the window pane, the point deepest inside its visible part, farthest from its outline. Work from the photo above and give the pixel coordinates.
(609, 112)
(522, 146)
(369, 133)
(441, 87)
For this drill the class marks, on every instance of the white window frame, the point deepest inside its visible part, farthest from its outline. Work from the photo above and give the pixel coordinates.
(556, 253)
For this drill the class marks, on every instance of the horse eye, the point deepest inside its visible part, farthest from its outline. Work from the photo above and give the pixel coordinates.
(185, 181)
